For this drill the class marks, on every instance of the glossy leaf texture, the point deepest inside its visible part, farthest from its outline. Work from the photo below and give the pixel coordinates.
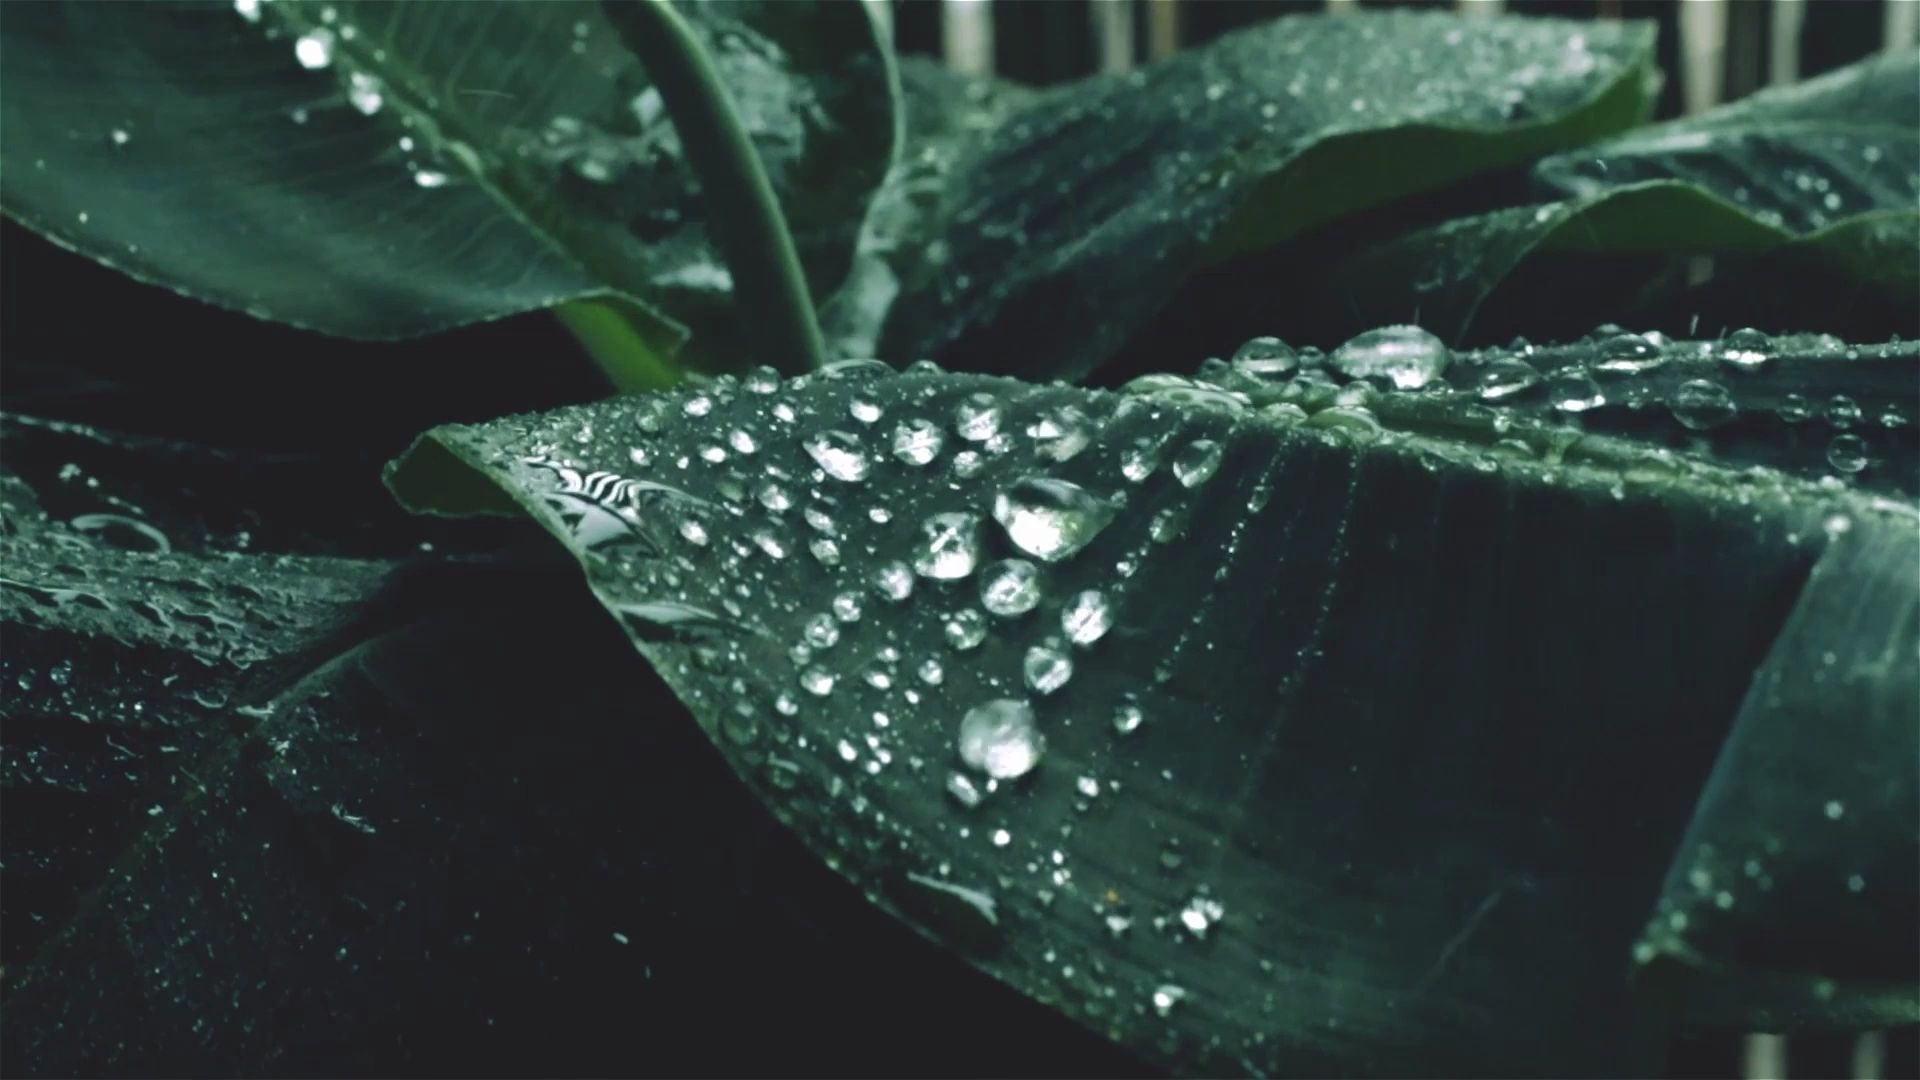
(1820, 181)
(272, 814)
(1292, 725)
(379, 170)
(1080, 216)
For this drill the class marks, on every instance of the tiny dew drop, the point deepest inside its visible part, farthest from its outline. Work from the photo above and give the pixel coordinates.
(314, 49)
(119, 136)
(1702, 404)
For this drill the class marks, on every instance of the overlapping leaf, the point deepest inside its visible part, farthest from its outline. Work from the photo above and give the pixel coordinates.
(1083, 214)
(1297, 728)
(379, 170)
(1823, 177)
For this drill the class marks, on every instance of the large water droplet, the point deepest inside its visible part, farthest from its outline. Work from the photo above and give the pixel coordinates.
(1050, 519)
(1702, 404)
(1406, 356)
(839, 455)
(1627, 352)
(1505, 378)
(1138, 461)
(1572, 390)
(949, 547)
(917, 442)
(1010, 587)
(1847, 453)
(1087, 617)
(977, 419)
(1265, 359)
(1196, 462)
(1000, 739)
(1060, 434)
(1046, 669)
(1746, 350)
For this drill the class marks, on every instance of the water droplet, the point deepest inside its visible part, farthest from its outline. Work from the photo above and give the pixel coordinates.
(1000, 739)
(965, 630)
(119, 136)
(762, 380)
(1196, 462)
(1746, 350)
(1061, 433)
(931, 672)
(1847, 453)
(1265, 359)
(1087, 617)
(1139, 461)
(847, 607)
(839, 455)
(964, 790)
(864, 409)
(693, 532)
(247, 9)
(817, 681)
(824, 551)
(1842, 411)
(697, 405)
(314, 49)
(741, 724)
(1050, 519)
(1505, 378)
(1201, 914)
(893, 581)
(365, 93)
(1406, 356)
(1795, 408)
(1627, 352)
(775, 498)
(429, 178)
(949, 547)
(742, 442)
(977, 419)
(1010, 587)
(917, 442)
(821, 631)
(766, 541)
(1702, 404)
(967, 463)
(1165, 997)
(1572, 390)
(1126, 718)
(1046, 669)
(121, 531)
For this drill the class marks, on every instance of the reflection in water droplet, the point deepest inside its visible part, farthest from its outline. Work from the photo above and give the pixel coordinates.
(977, 419)
(949, 547)
(1010, 587)
(1087, 618)
(1406, 356)
(1000, 739)
(1847, 453)
(966, 630)
(1046, 669)
(1196, 462)
(1572, 390)
(1628, 352)
(1505, 378)
(1265, 359)
(839, 455)
(917, 442)
(1702, 404)
(1050, 519)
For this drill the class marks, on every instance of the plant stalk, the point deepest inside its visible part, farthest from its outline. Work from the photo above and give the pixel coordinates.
(742, 212)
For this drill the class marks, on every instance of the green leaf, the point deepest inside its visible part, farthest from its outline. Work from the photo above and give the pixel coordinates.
(385, 170)
(1823, 178)
(1366, 725)
(1083, 214)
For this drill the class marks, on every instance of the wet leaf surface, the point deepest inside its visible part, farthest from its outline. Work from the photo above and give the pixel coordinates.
(1819, 179)
(1082, 214)
(384, 170)
(301, 815)
(1294, 725)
